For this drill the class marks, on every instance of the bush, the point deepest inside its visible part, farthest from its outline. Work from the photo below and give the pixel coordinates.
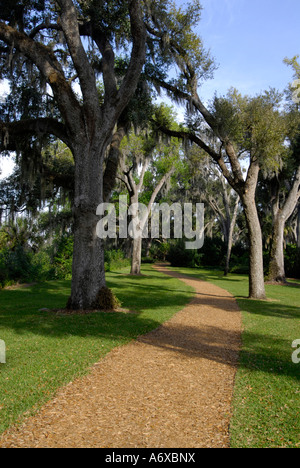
(64, 258)
(213, 252)
(148, 260)
(292, 261)
(160, 250)
(240, 264)
(43, 266)
(115, 260)
(179, 256)
(19, 266)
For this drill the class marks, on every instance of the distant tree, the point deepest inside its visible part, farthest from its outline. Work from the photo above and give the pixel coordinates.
(144, 157)
(237, 131)
(211, 188)
(285, 194)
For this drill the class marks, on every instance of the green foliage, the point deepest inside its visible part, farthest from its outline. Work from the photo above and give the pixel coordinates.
(115, 260)
(160, 250)
(21, 266)
(64, 257)
(19, 262)
(179, 256)
(213, 252)
(292, 261)
(256, 125)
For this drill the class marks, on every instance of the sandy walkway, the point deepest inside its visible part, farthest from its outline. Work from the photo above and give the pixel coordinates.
(169, 389)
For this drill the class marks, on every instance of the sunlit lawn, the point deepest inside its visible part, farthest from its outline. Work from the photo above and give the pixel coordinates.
(45, 351)
(267, 390)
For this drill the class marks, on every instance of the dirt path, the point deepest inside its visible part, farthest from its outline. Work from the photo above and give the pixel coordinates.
(169, 389)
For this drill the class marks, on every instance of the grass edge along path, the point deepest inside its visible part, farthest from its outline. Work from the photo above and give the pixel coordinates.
(266, 406)
(46, 352)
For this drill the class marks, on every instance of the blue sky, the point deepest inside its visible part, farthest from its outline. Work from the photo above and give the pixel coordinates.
(249, 40)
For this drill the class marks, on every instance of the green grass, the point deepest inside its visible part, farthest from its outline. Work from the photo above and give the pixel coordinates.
(45, 351)
(267, 388)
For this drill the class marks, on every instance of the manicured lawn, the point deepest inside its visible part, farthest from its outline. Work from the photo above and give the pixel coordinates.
(45, 351)
(267, 389)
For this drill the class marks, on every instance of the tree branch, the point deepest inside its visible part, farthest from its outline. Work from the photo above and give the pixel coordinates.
(43, 26)
(44, 58)
(138, 56)
(11, 132)
(217, 157)
(85, 72)
(108, 65)
(293, 197)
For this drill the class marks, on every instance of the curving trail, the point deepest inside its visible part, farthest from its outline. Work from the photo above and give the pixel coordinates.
(172, 388)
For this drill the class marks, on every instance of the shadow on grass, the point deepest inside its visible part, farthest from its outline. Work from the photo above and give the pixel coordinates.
(19, 312)
(269, 308)
(20, 309)
(264, 354)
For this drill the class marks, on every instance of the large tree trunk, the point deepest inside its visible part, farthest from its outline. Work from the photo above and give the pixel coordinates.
(88, 257)
(136, 259)
(276, 268)
(136, 252)
(256, 275)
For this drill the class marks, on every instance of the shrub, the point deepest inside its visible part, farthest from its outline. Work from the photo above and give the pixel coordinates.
(213, 252)
(179, 256)
(148, 260)
(240, 264)
(160, 250)
(115, 260)
(292, 261)
(44, 269)
(18, 266)
(64, 257)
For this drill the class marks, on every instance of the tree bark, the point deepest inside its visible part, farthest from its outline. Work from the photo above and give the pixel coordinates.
(232, 223)
(256, 273)
(88, 255)
(136, 259)
(276, 268)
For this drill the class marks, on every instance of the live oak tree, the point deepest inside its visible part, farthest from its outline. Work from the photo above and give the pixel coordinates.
(46, 48)
(285, 187)
(46, 38)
